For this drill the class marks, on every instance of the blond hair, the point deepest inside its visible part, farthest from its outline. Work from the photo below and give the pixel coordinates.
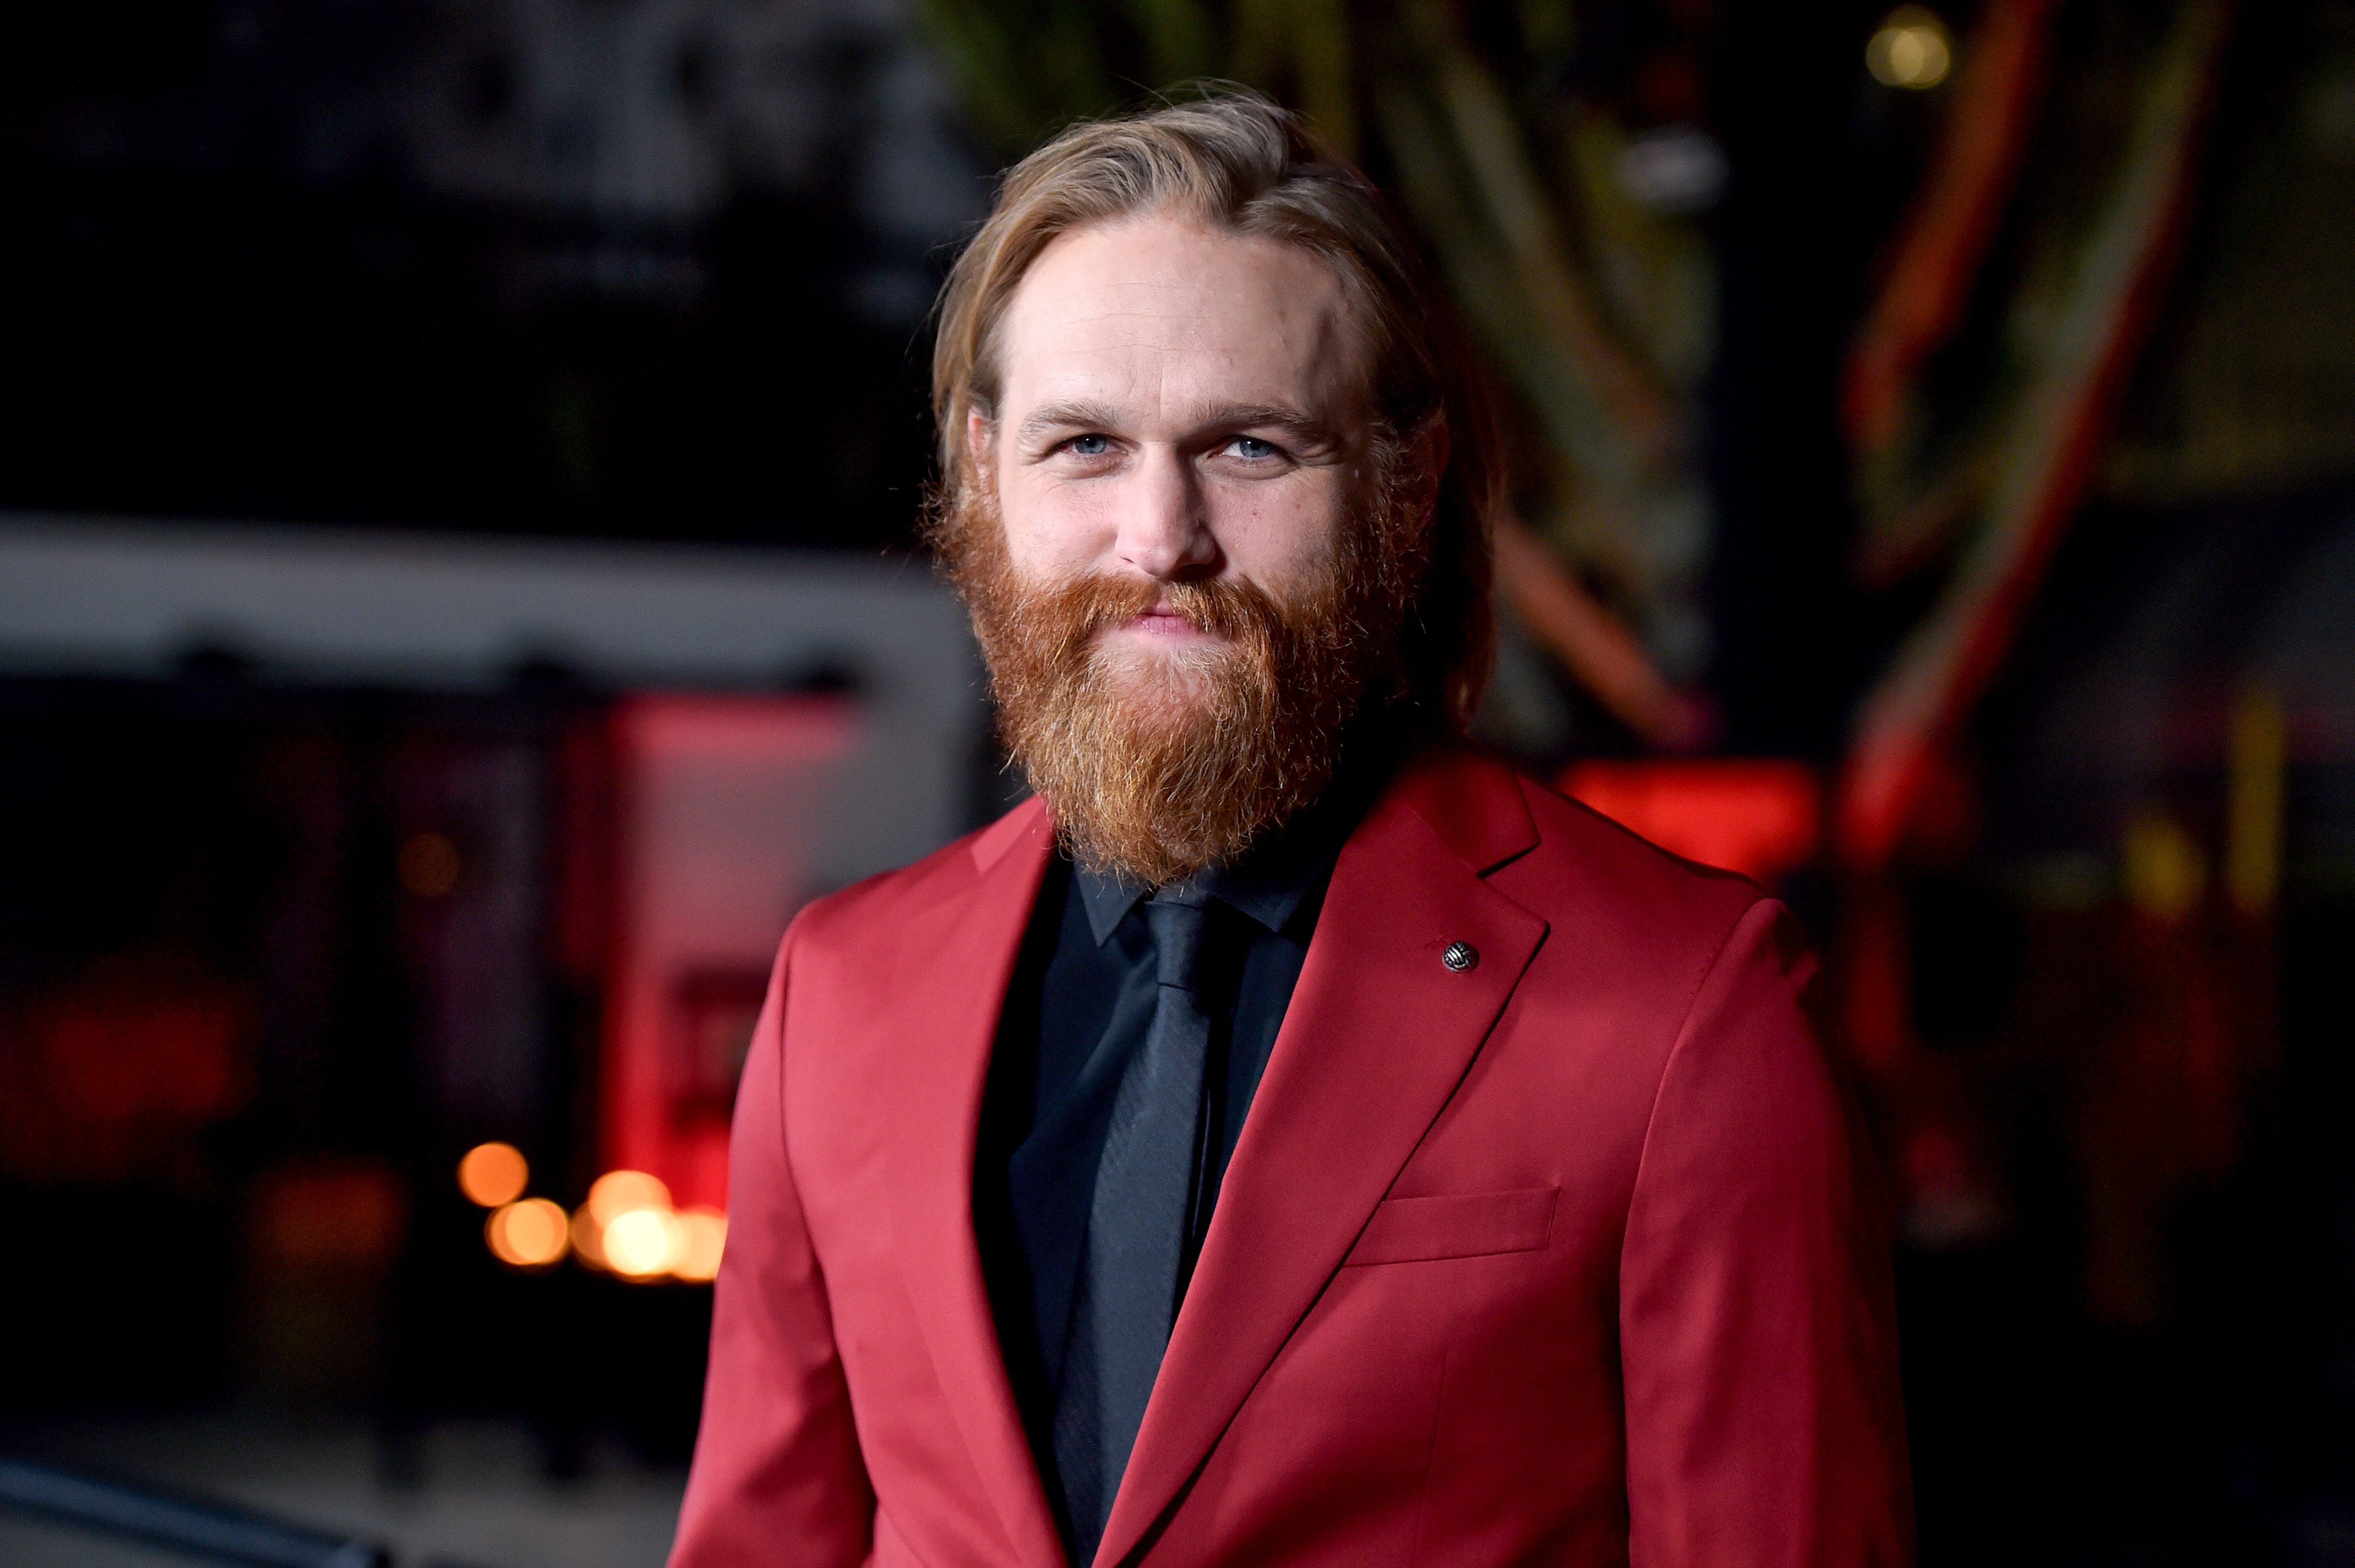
(1230, 159)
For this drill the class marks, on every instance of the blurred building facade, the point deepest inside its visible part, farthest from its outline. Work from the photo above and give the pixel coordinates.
(347, 853)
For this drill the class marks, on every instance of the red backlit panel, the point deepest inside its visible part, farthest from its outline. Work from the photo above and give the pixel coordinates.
(1760, 818)
(720, 800)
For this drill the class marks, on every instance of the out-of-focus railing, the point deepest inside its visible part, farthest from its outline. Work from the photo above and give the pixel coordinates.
(202, 1528)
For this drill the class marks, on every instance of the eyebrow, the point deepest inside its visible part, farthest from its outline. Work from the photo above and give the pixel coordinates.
(1064, 416)
(1080, 415)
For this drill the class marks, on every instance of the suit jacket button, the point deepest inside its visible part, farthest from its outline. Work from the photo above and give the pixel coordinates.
(1460, 956)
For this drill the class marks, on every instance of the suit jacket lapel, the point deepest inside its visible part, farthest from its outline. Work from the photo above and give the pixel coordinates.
(957, 958)
(1379, 1033)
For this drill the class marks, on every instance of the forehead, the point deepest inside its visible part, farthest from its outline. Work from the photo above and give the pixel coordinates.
(1156, 310)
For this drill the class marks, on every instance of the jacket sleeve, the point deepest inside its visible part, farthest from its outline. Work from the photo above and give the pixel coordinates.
(777, 1476)
(1758, 1345)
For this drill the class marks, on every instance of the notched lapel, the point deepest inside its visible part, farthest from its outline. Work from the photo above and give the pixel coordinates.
(1378, 1034)
(956, 959)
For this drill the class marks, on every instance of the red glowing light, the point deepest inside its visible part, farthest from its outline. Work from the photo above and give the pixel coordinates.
(1760, 818)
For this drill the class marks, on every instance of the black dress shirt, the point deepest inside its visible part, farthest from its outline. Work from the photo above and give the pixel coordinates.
(1078, 1007)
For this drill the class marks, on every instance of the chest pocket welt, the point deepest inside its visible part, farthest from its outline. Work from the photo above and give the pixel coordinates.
(1455, 1225)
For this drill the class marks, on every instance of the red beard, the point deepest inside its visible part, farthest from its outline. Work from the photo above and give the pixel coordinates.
(1155, 767)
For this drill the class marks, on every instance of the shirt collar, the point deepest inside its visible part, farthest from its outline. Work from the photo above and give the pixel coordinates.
(1266, 885)
(1108, 897)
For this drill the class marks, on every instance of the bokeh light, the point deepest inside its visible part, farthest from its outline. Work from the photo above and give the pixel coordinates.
(588, 1238)
(617, 1190)
(493, 1173)
(532, 1233)
(643, 1243)
(427, 864)
(2164, 872)
(1911, 49)
(628, 1227)
(705, 1236)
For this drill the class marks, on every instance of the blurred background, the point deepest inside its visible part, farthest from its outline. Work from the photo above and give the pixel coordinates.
(459, 596)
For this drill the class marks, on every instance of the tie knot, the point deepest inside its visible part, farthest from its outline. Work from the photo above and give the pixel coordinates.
(1178, 915)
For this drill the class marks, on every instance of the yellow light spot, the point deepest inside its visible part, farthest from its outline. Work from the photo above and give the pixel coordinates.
(427, 864)
(1911, 49)
(529, 1234)
(2164, 872)
(493, 1174)
(2252, 837)
(707, 1235)
(616, 1191)
(641, 1243)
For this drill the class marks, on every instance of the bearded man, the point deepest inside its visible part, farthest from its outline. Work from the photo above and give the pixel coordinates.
(1288, 1137)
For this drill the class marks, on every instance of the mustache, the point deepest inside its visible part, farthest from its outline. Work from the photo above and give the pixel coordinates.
(1080, 607)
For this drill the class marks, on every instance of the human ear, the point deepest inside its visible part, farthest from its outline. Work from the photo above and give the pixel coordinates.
(980, 437)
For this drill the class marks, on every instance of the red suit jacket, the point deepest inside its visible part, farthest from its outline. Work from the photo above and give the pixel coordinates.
(1560, 1258)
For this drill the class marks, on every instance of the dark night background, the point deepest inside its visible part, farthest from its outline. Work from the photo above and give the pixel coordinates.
(640, 287)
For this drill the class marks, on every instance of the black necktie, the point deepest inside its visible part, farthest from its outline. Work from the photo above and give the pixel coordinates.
(1126, 1298)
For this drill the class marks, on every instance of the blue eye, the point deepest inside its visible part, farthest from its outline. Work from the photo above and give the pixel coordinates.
(1251, 446)
(1091, 445)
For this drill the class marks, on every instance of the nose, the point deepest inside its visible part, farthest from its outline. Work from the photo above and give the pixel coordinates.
(1164, 531)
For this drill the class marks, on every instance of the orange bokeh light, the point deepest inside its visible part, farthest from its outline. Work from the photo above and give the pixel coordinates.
(619, 1190)
(588, 1238)
(491, 1174)
(532, 1233)
(706, 1236)
(628, 1227)
(643, 1243)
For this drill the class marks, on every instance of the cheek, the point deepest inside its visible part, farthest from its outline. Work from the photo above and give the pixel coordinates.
(1282, 533)
(1052, 530)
